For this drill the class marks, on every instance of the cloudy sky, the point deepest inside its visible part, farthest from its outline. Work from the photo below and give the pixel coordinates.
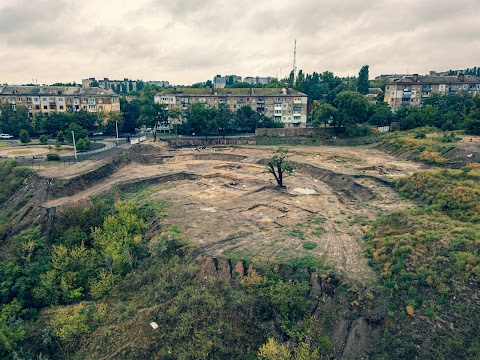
(186, 41)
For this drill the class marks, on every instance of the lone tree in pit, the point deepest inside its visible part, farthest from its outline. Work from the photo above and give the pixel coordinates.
(278, 165)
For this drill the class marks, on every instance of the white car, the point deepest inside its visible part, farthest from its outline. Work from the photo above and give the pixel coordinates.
(6, 136)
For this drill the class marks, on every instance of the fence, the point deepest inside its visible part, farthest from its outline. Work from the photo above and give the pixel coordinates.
(210, 142)
(138, 140)
(66, 160)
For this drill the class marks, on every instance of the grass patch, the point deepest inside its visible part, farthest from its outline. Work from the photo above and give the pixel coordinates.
(309, 245)
(427, 149)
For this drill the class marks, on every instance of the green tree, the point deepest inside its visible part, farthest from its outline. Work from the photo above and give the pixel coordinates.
(363, 83)
(43, 139)
(273, 350)
(24, 136)
(323, 114)
(246, 119)
(60, 136)
(39, 124)
(200, 119)
(12, 329)
(352, 108)
(175, 117)
(300, 81)
(380, 114)
(79, 132)
(83, 144)
(279, 165)
(472, 121)
(12, 120)
(152, 114)
(224, 119)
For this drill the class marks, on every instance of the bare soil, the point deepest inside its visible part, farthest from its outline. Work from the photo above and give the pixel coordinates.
(233, 209)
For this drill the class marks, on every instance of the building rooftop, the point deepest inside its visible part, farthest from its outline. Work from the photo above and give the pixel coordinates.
(232, 91)
(54, 90)
(427, 79)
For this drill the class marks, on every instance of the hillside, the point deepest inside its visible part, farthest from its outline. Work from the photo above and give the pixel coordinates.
(200, 242)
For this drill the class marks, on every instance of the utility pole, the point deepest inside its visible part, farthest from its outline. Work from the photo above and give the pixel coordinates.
(74, 145)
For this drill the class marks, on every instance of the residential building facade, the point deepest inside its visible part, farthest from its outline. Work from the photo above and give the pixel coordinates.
(119, 86)
(220, 81)
(59, 99)
(412, 90)
(286, 105)
(258, 80)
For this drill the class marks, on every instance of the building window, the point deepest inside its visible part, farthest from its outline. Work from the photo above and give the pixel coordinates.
(85, 107)
(20, 99)
(45, 107)
(37, 107)
(61, 107)
(44, 99)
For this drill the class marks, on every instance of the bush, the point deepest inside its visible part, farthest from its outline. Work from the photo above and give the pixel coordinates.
(309, 245)
(60, 137)
(43, 139)
(53, 157)
(420, 135)
(83, 144)
(24, 136)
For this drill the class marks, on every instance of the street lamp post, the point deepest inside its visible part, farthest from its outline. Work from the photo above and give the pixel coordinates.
(74, 145)
(116, 128)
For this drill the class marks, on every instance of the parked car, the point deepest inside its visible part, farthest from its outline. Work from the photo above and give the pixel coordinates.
(98, 133)
(6, 136)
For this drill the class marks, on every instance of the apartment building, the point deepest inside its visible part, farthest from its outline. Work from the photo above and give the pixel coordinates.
(119, 86)
(58, 99)
(258, 80)
(286, 105)
(412, 90)
(220, 81)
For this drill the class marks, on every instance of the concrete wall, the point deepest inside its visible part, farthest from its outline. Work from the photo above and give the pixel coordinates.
(297, 131)
(210, 142)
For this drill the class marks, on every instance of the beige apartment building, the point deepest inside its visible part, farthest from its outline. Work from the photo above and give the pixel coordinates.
(58, 99)
(286, 105)
(413, 89)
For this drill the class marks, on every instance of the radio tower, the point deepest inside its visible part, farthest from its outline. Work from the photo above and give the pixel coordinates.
(295, 61)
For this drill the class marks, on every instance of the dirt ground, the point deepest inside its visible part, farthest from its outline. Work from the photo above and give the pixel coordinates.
(233, 209)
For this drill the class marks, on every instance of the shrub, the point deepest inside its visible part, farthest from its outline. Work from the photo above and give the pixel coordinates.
(420, 135)
(53, 157)
(43, 139)
(24, 136)
(83, 144)
(309, 245)
(60, 137)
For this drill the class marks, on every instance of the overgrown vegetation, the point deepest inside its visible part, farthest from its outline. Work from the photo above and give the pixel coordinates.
(12, 177)
(428, 257)
(425, 144)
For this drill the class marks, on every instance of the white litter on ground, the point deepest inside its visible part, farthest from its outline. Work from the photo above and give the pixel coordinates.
(305, 191)
(209, 209)
(154, 325)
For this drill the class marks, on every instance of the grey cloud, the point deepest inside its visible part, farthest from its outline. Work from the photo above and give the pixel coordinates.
(24, 15)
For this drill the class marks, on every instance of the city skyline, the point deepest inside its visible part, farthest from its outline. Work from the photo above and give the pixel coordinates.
(186, 41)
